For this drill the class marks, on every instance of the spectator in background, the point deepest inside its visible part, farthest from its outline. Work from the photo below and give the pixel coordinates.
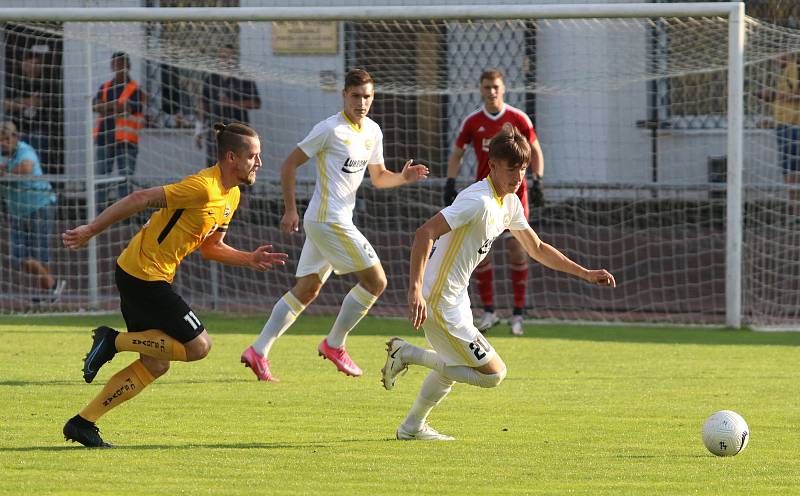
(29, 98)
(225, 99)
(119, 104)
(30, 209)
(787, 127)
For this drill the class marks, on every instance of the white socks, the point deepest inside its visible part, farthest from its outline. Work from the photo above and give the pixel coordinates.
(458, 373)
(354, 307)
(283, 315)
(434, 389)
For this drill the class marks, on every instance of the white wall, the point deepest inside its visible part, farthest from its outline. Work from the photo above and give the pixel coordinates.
(289, 111)
(588, 133)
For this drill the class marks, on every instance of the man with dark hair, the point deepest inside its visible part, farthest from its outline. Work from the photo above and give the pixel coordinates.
(30, 100)
(119, 104)
(445, 251)
(193, 213)
(345, 146)
(478, 129)
(225, 99)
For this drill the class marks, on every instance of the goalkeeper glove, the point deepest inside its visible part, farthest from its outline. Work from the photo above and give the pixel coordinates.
(450, 192)
(537, 194)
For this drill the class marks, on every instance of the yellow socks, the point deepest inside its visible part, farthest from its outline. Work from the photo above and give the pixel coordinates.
(153, 343)
(122, 386)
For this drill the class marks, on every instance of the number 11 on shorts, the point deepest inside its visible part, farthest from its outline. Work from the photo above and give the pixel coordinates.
(192, 320)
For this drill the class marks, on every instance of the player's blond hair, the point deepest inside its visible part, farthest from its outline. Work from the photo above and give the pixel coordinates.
(510, 146)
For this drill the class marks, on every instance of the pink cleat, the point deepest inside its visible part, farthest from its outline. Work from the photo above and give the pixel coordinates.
(340, 358)
(258, 364)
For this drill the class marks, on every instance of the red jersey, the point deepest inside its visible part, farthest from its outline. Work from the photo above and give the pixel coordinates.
(480, 127)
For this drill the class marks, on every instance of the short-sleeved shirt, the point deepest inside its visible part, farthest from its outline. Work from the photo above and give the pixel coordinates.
(26, 197)
(342, 153)
(480, 127)
(232, 88)
(105, 135)
(476, 218)
(197, 207)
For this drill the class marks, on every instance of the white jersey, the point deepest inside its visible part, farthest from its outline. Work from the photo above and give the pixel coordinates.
(342, 152)
(476, 218)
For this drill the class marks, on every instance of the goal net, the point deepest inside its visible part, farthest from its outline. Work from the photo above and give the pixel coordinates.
(631, 114)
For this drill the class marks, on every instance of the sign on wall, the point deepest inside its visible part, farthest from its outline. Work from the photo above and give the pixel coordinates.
(305, 37)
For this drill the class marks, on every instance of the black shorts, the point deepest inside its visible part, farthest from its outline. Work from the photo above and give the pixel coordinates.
(155, 305)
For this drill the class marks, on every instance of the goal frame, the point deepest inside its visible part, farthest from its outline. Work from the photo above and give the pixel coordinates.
(734, 12)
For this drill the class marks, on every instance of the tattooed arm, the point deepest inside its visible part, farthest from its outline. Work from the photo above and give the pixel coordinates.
(121, 209)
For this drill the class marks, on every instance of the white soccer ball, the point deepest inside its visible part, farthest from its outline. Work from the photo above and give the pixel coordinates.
(725, 433)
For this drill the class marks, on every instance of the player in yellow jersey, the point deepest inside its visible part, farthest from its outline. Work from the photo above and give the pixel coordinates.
(193, 213)
(437, 293)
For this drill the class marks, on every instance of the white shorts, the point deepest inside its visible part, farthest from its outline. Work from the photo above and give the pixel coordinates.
(452, 334)
(334, 247)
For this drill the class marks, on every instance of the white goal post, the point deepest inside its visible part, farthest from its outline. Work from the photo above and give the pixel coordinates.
(454, 18)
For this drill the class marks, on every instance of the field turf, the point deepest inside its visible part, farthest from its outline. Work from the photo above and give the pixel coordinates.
(584, 410)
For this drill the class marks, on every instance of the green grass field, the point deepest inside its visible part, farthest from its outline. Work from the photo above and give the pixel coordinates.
(584, 410)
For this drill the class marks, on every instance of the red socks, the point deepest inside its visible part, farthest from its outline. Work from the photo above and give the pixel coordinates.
(519, 284)
(485, 277)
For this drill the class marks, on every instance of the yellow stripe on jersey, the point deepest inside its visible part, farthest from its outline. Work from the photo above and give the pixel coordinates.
(196, 207)
(352, 124)
(323, 187)
(349, 247)
(436, 292)
(497, 197)
(447, 262)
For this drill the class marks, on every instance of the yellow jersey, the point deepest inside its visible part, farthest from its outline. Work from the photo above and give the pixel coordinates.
(196, 207)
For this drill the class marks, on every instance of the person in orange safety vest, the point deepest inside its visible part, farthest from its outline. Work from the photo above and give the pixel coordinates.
(119, 104)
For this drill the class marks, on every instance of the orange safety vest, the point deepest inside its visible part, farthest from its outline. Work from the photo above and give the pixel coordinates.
(127, 125)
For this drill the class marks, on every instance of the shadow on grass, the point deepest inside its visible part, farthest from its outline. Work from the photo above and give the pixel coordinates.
(192, 446)
(42, 383)
(162, 381)
(172, 447)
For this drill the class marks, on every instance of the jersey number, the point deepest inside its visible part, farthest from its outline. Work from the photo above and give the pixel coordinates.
(192, 320)
(477, 350)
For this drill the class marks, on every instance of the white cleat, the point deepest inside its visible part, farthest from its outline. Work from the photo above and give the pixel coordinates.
(394, 365)
(427, 433)
(516, 325)
(487, 321)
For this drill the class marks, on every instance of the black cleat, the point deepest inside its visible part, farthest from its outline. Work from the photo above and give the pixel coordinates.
(102, 351)
(81, 430)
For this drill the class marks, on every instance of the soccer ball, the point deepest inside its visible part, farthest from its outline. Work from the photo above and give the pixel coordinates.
(725, 433)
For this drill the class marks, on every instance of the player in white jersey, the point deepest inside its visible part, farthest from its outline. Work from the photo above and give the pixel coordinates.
(439, 301)
(345, 146)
